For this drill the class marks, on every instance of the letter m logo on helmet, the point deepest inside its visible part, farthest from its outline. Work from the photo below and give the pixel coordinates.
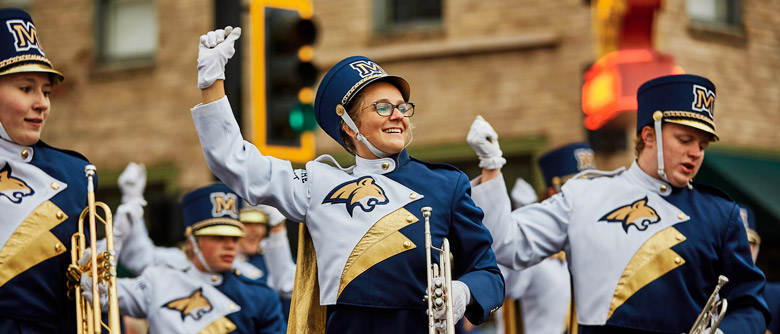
(224, 204)
(366, 68)
(25, 35)
(703, 100)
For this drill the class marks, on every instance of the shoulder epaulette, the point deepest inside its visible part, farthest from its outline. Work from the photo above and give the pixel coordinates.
(240, 275)
(327, 159)
(712, 190)
(435, 165)
(595, 173)
(68, 152)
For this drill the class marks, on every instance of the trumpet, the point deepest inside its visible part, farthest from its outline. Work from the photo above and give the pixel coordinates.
(439, 291)
(102, 266)
(713, 309)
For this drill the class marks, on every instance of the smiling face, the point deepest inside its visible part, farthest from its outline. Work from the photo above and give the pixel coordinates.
(683, 152)
(386, 133)
(24, 105)
(218, 251)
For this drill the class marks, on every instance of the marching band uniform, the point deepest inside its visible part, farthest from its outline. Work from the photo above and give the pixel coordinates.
(184, 299)
(42, 193)
(544, 289)
(273, 262)
(364, 220)
(644, 255)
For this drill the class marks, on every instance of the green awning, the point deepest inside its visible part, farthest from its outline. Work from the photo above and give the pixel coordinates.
(752, 179)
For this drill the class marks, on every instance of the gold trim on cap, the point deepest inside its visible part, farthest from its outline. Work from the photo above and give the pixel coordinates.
(340, 110)
(221, 230)
(658, 115)
(34, 67)
(252, 216)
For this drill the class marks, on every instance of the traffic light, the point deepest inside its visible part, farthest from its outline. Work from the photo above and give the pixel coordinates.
(283, 78)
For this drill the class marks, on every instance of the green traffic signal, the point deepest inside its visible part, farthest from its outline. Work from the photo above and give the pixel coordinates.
(302, 118)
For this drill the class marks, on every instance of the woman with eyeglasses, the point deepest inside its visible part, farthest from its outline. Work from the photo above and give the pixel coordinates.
(364, 221)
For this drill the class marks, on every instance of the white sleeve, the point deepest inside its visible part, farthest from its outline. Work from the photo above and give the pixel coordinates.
(278, 258)
(132, 297)
(139, 252)
(240, 165)
(529, 234)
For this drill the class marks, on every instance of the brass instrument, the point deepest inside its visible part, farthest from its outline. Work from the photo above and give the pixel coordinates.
(438, 294)
(713, 309)
(102, 267)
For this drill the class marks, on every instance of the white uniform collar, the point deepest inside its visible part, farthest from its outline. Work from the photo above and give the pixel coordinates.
(648, 182)
(214, 279)
(13, 151)
(373, 166)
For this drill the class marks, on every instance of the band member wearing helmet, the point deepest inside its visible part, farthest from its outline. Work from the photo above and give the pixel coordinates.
(645, 245)
(205, 294)
(42, 189)
(365, 220)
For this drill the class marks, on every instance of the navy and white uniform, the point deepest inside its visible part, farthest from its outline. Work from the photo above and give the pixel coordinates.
(186, 300)
(365, 223)
(644, 256)
(42, 193)
(544, 293)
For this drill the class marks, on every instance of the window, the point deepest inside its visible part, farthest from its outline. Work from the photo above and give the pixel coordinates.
(394, 15)
(723, 13)
(127, 30)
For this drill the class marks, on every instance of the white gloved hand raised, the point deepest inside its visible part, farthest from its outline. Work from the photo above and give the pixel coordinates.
(214, 50)
(132, 183)
(484, 140)
(86, 282)
(127, 215)
(522, 193)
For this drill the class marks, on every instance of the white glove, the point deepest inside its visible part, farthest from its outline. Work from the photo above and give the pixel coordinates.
(214, 50)
(461, 297)
(86, 283)
(132, 182)
(127, 215)
(274, 216)
(484, 140)
(522, 193)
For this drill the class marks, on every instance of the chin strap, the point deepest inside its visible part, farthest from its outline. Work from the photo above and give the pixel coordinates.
(196, 250)
(658, 117)
(345, 117)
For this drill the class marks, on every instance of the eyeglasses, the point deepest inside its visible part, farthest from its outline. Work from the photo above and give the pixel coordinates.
(387, 108)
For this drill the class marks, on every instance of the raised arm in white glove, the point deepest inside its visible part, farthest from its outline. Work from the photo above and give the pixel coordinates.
(214, 50)
(132, 183)
(522, 193)
(484, 140)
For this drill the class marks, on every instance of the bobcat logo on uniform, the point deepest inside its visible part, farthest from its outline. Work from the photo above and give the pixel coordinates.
(363, 192)
(11, 187)
(637, 214)
(703, 100)
(25, 35)
(224, 204)
(366, 68)
(194, 305)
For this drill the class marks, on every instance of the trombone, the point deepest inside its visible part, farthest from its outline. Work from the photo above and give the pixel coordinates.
(713, 309)
(102, 266)
(439, 291)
